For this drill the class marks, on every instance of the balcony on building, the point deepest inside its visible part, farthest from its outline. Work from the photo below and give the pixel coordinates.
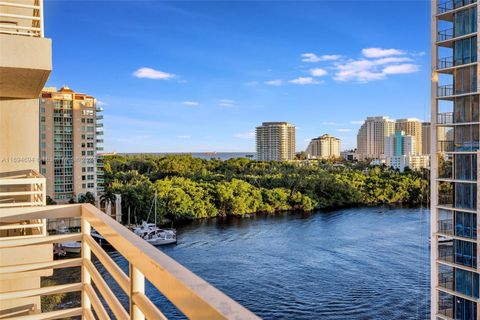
(446, 9)
(458, 195)
(25, 55)
(449, 34)
(445, 118)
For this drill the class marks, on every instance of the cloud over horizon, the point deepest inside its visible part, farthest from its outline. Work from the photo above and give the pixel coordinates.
(150, 73)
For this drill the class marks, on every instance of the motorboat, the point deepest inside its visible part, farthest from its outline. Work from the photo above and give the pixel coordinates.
(68, 247)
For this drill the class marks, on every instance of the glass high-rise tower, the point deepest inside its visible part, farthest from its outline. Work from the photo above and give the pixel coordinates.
(454, 150)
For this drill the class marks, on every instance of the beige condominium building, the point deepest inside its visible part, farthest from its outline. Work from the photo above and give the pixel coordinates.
(70, 137)
(25, 64)
(275, 141)
(412, 127)
(454, 151)
(324, 147)
(426, 138)
(371, 137)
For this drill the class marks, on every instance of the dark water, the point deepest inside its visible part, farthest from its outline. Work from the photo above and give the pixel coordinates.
(206, 155)
(350, 264)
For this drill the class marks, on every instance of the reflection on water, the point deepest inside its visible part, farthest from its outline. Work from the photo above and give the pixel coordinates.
(368, 263)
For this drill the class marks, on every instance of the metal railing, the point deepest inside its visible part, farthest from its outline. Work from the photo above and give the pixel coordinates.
(445, 146)
(444, 35)
(445, 252)
(445, 91)
(445, 7)
(193, 296)
(23, 18)
(445, 226)
(445, 118)
(444, 63)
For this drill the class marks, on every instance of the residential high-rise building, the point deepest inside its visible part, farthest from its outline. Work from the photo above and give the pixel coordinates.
(399, 144)
(275, 141)
(70, 137)
(412, 127)
(324, 147)
(371, 137)
(400, 152)
(426, 138)
(25, 64)
(454, 179)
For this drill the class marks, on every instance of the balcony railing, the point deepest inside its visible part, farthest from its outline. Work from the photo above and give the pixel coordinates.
(99, 117)
(444, 35)
(22, 18)
(445, 146)
(445, 250)
(445, 91)
(99, 109)
(25, 188)
(445, 118)
(444, 63)
(445, 7)
(194, 297)
(445, 226)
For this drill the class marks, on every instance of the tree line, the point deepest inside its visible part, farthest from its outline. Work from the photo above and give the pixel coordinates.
(189, 188)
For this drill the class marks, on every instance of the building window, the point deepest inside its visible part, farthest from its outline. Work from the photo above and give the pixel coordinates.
(466, 253)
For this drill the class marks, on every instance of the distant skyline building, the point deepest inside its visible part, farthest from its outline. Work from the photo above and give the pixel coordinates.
(399, 144)
(412, 127)
(275, 141)
(371, 137)
(400, 153)
(454, 179)
(70, 137)
(324, 147)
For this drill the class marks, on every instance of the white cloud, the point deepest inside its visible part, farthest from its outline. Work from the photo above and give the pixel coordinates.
(357, 122)
(312, 57)
(364, 70)
(191, 103)
(343, 130)
(304, 80)
(150, 73)
(245, 135)
(330, 123)
(101, 103)
(380, 53)
(226, 103)
(276, 82)
(401, 69)
(318, 72)
(183, 137)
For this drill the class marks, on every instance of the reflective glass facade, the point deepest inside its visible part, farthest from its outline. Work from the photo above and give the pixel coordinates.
(455, 247)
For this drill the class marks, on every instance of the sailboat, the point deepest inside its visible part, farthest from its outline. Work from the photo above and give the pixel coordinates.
(153, 234)
(67, 247)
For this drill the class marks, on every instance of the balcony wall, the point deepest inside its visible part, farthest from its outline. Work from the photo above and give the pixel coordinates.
(25, 64)
(19, 134)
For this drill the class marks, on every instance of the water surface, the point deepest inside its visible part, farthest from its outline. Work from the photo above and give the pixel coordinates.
(368, 263)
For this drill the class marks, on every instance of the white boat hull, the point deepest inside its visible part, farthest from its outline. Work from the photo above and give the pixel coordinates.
(160, 242)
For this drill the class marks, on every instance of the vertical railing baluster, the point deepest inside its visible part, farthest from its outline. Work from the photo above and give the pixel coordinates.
(86, 255)
(137, 285)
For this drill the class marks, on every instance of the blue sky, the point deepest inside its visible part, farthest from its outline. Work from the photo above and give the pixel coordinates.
(200, 75)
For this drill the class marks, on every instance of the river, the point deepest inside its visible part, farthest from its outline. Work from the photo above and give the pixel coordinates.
(362, 263)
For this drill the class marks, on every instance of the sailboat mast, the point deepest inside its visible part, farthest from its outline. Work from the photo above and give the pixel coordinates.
(155, 201)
